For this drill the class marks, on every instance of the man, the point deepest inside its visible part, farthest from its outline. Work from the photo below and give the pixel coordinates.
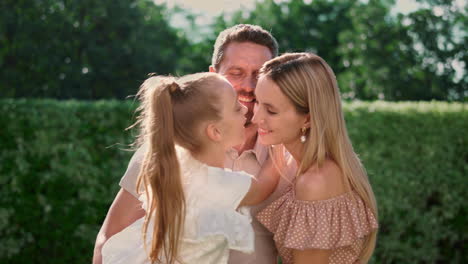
(239, 53)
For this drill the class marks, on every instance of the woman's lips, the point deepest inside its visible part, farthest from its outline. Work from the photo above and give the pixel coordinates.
(262, 131)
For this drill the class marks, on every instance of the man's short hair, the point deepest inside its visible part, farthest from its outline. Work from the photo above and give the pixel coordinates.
(242, 33)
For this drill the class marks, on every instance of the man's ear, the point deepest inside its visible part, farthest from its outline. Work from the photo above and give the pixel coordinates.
(213, 132)
(212, 69)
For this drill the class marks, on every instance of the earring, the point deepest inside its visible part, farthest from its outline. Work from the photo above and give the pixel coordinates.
(303, 137)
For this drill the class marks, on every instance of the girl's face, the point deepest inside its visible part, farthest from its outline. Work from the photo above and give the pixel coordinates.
(277, 119)
(233, 118)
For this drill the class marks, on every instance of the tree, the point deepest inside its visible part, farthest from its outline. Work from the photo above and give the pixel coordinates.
(440, 26)
(408, 57)
(83, 49)
(375, 54)
(300, 25)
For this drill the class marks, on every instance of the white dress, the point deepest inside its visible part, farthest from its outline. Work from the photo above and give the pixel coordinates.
(212, 225)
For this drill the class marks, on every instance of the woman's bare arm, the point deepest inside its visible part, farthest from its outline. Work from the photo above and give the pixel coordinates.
(264, 184)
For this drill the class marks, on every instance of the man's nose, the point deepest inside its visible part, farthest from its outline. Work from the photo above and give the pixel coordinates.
(249, 84)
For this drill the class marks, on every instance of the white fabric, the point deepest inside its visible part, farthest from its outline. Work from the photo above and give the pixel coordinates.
(129, 179)
(212, 225)
(249, 161)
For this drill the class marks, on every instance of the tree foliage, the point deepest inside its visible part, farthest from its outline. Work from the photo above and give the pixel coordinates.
(104, 49)
(404, 57)
(83, 49)
(375, 53)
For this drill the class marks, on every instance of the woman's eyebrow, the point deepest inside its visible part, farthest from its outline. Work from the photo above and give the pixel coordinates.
(269, 105)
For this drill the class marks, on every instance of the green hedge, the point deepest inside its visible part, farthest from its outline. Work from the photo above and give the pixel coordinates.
(416, 156)
(61, 163)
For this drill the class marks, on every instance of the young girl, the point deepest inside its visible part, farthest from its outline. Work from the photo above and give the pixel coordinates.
(187, 125)
(329, 213)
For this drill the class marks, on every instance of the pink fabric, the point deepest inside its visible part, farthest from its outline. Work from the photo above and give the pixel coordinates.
(339, 223)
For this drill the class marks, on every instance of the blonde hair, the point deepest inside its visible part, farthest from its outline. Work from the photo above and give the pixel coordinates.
(310, 84)
(171, 112)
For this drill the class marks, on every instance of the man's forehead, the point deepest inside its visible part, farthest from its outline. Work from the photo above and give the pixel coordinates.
(245, 55)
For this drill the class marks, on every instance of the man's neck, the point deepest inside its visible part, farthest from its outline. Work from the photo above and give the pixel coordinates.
(250, 139)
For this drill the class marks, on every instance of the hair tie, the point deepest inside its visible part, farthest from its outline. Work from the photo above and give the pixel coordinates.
(174, 86)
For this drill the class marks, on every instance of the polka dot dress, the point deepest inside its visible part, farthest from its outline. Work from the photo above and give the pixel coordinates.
(340, 224)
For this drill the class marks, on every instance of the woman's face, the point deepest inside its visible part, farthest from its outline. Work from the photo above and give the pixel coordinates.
(233, 118)
(277, 119)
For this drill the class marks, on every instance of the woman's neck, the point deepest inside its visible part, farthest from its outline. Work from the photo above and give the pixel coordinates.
(296, 149)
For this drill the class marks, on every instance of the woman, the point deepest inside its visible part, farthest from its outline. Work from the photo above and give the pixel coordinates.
(188, 125)
(328, 214)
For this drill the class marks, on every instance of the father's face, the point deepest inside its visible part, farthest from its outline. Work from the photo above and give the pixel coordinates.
(240, 65)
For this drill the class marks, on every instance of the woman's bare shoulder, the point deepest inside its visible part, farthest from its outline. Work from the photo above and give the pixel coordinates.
(320, 183)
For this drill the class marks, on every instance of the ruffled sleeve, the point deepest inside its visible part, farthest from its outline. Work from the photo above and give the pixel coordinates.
(324, 224)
